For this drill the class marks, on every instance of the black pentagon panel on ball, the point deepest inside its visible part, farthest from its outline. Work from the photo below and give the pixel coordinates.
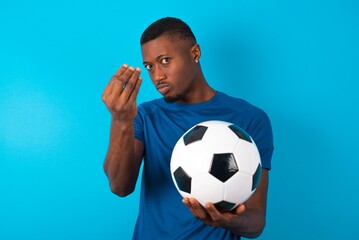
(183, 180)
(224, 206)
(240, 133)
(256, 177)
(194, 134)
(224, 166)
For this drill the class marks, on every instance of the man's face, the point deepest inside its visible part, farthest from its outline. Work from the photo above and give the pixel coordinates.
(172, 67)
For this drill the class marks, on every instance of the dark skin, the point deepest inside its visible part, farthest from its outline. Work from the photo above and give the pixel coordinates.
(173, 69)
(173, 66)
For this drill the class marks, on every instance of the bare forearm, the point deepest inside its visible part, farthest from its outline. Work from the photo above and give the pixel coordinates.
(250, 224)
(120, 165)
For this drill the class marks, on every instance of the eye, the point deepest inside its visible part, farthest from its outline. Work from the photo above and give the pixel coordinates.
(148, 66)
(165, 60)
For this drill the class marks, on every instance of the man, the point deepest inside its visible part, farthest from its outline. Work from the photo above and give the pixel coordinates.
(171, 56)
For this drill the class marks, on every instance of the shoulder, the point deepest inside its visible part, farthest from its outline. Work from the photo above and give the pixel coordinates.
(256, 122)
(252, 118)
(242, 106)
(223, 97)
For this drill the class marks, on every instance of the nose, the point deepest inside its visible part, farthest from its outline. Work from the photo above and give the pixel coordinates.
(158, 75)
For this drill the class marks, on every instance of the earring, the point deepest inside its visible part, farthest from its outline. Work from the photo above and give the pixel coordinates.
(196, 60)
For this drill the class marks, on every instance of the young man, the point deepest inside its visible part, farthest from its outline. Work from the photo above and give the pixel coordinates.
(150, 131)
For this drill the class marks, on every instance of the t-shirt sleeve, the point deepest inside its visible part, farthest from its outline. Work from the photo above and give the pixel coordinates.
(261, 132)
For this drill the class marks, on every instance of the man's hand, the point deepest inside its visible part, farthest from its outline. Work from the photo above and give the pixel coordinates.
(210, 215)
(247, 220)
(121, 92)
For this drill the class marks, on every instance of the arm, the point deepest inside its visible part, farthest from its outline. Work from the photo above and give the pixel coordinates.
(247, 220)
(123, 159)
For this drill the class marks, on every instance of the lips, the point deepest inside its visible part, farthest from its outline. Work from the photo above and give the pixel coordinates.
(163, 88)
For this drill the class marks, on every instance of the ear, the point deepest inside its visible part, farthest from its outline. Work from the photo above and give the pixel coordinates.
(196, 52)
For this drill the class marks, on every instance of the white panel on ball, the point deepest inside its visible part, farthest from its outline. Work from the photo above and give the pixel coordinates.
(238, 188)
(193, 158)
(206, 188)
(247, 157)
(218, 138)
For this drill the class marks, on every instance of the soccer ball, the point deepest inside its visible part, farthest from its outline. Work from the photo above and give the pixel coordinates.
(216, 162)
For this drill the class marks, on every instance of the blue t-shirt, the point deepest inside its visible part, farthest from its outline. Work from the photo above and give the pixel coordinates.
(159, 125)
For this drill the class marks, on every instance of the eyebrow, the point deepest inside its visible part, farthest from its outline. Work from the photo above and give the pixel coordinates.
(159, 56)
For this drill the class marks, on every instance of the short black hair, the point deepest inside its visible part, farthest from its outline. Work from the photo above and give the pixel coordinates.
(172, 27)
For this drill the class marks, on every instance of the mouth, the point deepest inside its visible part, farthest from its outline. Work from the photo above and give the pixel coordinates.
(163, 88)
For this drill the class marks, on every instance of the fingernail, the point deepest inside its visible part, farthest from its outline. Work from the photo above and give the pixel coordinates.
(125, 65)
(138, 69)
(132, 68)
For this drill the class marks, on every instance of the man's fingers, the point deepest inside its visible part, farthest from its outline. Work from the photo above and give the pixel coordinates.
(119, 81)
(121, 70)
(214, 214)
(116, 92)
(124, 77)
(209, 214)
(197, 210)
(130, 85)
(212, 210)
(240, 209)
(109, 88)
(134, 93)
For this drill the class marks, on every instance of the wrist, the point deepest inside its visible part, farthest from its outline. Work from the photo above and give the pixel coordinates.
(122, 125)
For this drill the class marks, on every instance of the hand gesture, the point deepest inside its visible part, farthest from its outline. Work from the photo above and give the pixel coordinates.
(121, 92)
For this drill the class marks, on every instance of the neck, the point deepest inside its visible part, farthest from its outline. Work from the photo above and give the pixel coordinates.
(200, 91)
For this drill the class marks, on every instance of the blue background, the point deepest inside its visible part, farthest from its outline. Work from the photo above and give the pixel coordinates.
(298, 60)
